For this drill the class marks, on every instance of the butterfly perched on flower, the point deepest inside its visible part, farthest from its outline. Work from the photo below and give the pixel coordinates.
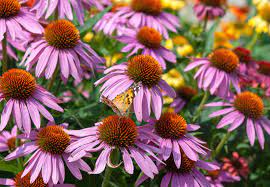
(122, 102)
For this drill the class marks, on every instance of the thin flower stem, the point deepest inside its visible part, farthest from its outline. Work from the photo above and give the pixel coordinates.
(205, 23)
(108, 172)
(221, 144)
(17, 144)
(253, 41)
(200, 108)
(50, 85)
(4, 52)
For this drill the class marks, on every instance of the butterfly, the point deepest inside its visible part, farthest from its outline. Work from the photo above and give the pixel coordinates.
(122, 102)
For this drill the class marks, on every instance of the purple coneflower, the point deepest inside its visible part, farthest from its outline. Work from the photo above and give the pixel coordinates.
(148, 13)
(61, 45)
(187, 175)
(209, 9)
(217, 72)
(48, 146)
(147, 40)
(262, 75)
(184, 95)
(8, 140)
(111, 26)
(10, 53)
(246, 108)
(14, 19)
(142, 71)
(99, 4)
(63, 9)
(172, 134)
(25, 100)
(116, 133)
(20, 43)
(19, 181)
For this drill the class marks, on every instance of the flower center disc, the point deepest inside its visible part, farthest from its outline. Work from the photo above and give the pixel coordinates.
(215, 3)
(149, 37)
(145, 69)
(264, 68)
(250, 104)
(187, 92)
(118, 131)
(9, 8)
(53, 139)
(224, 59)
(170, 125)
(186, 164)
(243, 54)
(17, 84)
(152, 7)
(264, 11)
(25, 181)
(62, 34)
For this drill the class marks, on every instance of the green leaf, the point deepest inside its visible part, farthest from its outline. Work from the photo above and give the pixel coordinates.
(210, 37)
(9, 166)
(92, 21)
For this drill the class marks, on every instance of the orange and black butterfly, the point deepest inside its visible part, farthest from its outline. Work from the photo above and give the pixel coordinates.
(121, 103)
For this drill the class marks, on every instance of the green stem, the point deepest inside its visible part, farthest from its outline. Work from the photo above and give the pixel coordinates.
(108, 172)
(205, 23)
(50, 85)
(19, 160)
(253, 41)
(221, 144)
(201, 106)
(4, 52)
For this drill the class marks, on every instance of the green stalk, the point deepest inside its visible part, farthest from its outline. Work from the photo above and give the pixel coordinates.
(201, 106)
(19, 160)
(108, 172)
(253, 41)
(4, 52)
(205, 23)
(221, 144)
(50, 85)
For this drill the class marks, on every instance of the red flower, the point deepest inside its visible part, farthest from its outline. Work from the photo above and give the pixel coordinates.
(237, 166)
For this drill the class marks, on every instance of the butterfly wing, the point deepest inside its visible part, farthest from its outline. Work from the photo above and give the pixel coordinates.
(124, 101)
(110, 103)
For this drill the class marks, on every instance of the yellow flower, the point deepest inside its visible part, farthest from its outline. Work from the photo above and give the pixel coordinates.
(183, 48)
(173, 4)
(111, 60)
(88, 37)
(259, 2)
(174, 78)
(261, 22)
(234, 30)
(222, 40)
(169, 44)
